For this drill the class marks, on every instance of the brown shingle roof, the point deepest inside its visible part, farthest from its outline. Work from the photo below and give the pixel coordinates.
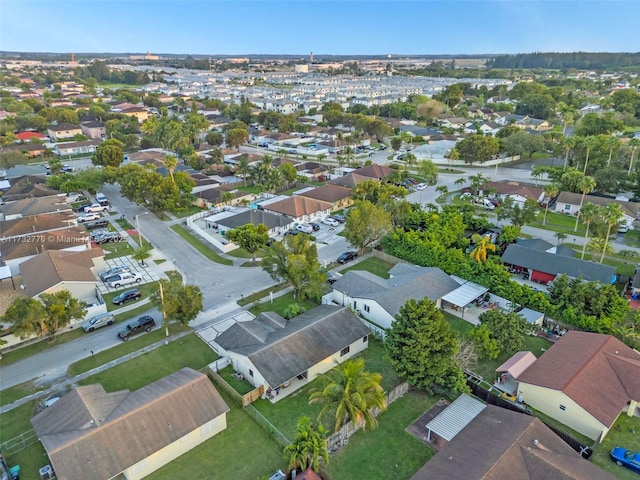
(93, 435)
(35, 206)
(58, 240)
(298, 206)
(511, 452)
(54, 266)
(36, 223)
(350, 180)
(629, 208)
(374, 171)
(27, 186)
(328, 193)
(514, 188)
(583, 363)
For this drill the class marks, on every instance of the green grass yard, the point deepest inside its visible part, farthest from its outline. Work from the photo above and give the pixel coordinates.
(229, 376)
(200, 246)
(624, 433)
(558, 222)
(31, 458)
(280, 304)
(372, 265)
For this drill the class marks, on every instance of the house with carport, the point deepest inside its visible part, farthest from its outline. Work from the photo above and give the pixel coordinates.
(585, 381)
(282, 355)
(339, 197)
(300, 209)
(276, 224)
(91, 434)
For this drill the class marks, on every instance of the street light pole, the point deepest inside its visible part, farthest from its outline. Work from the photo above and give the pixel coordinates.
(138, 228)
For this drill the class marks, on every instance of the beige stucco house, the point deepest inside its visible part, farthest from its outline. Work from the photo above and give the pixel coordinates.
(63, 130)
(584, 381)
(90, 434)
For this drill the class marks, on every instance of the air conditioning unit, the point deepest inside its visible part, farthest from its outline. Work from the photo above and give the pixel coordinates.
(46, 472)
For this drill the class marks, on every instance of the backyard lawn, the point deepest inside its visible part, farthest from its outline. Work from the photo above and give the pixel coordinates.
(200, 246)
(558, 222)
(372, 265)
(624, 433)
(280, 304)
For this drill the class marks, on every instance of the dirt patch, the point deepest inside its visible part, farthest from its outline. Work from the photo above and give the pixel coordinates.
(419, 428)
(7, 292)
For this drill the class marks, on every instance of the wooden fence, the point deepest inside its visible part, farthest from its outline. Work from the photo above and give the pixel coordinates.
(244, 400)
(385, 257)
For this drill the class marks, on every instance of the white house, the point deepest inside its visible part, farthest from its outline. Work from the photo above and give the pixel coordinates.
(569, 203)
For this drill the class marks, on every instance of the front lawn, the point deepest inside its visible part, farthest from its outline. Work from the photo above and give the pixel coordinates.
(372, 265)
(624, 433)
(187, 212)
(40, 346)
(559, 222)
(203, 248)
(147, 290)
(188, 351)
(13, 424)
(387, 451)
(280, 304)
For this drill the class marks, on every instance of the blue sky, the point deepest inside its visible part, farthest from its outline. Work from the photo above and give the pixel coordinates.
(324, 27)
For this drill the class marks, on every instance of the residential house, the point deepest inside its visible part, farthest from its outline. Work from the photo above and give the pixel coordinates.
(143, 157)
(379, 300)
(276, 224)
(338, 197)
(63, 131)
(569, 203)
(585, 380)
(300, 209)
(28, 149)
(275, 353)
(450, 121)
(374, 171)
(27, 186)
(141, 113)
(520, 446)
(34, 206)
(544, 267)
(76, 148)
(127, 434)
(36, 224)
(350, 180)
(94, 129)
(216, 197)
(517, 192)
(29, 136)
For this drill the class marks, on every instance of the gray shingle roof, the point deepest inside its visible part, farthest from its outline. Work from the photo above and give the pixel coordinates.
(281, 349)
(557, 264)
(255, 217)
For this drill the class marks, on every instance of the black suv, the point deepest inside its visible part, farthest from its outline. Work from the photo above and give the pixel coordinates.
(347, 256)
(127, 296)
(145, 323)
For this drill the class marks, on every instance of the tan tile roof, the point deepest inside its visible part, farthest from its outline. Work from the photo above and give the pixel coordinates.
(328, 193)
(36, 223)
(34, 244)
(54, 266)
(152, 156)
(581, 364)
(93, 435)
(298, 206)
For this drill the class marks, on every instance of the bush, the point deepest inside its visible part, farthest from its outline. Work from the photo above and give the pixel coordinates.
(293, 310)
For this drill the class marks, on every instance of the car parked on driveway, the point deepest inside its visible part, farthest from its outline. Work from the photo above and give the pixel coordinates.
(127, 296)
(103, 222)
(340, 218)
(114, 271)
(99, 321)
(315, 226)
(304, 228)
(125, 278)
(347, 257)
(96, 207)
(332, 222)
(88, 217)
(626, 458)
(97, 232)
(110, 237)
(143, 324)
(422, 186)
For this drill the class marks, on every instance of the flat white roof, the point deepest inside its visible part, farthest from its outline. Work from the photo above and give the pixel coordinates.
(465, 294)
(455, 417)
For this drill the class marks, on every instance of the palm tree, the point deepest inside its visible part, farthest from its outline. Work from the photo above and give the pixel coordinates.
(611, 143)
(589, 143)
(477, 181)
(243, 169)
(611, 214)
(482, 246)
(550, 191)
(350, 393)
(561, 237)
(442, 189)
(460, 181)
(588, 212)
(410, 158)
(586, 184)
(141, 254)
(567, 114)
(308, 446)
(171, 162)
(569, 143)
(349, 154)
(634, 144)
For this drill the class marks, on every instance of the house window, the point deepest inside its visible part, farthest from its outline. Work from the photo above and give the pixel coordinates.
(567, 207)
(366, 308)
(563, 408)
(365, 339)
(250, 373)
(345, 350)
(355, 305)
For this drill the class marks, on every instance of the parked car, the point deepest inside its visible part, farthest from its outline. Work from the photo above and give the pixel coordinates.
(80, 208)
(465, 195)
(74, 197)
(125, 278)
(96, 207)
(422, 186)
(626, 458)
(102, 199)
(143, 324)
(340, 218)
(114, 271)
(127, 296)
(332, 222)
(331, 278)
(88, 217)
(304, 228)
(110, 237)
(293, 231)
(50, 401)
(103, 222)
(96, 233)
(347, 257)
(99, 321)
(315, 226)
(67, 168)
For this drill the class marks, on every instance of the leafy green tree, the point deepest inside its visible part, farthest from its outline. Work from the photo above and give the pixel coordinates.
(214, 139)
(308, 447)
(396, 143)
(27, 317)
(378, 193)
(509, 233)
(350, 393)
(422, 347)
(295, 260)
(366, 224)
(250, 237)
(517, 214)
(237, 137)
(181, 303)
(507, 329)
(478, 148)
(481, 336)
(482, 246)
(108, 154)
(428, 170)
(288, 172)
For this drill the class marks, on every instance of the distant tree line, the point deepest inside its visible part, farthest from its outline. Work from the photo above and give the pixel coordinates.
(554, 60)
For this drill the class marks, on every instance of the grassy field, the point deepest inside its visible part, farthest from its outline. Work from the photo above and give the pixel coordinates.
(280, 304)
(201, 247)
(624, 433)
(387, 451)
(372, 265)
(260, 294)
(10, 395)
(229, 375)
(30, 458)
(558, 222)
(40, 346)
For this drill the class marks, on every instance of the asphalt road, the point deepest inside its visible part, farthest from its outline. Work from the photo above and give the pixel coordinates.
(39, 169)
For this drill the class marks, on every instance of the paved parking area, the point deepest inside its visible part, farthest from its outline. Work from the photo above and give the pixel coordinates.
(149, 273)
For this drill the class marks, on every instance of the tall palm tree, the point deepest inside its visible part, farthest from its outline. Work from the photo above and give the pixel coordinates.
(482, 246)
(569, 143)
(308, 446)
(589, 143)
(611, 143)
(243, 168)
(349, 154)
(460, 181)
(350, 393)
(586, 184)
(171, 163)
(588, 212)
(550, 192)
(612, 215)
(634, 144)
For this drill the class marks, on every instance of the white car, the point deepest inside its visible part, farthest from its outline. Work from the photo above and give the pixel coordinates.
(422, 186)
(88, 217)
(96, 207)
(124, 278)
(330, 221)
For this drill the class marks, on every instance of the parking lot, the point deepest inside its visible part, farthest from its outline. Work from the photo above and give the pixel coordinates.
(149, 273)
